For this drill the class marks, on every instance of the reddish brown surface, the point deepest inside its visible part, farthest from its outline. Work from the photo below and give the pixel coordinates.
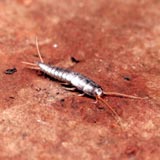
(114, 40)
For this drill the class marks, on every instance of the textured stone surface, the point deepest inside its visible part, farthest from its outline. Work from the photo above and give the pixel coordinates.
(118, 45)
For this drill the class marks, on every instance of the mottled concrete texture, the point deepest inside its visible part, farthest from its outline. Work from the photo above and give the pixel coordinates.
(117, 43)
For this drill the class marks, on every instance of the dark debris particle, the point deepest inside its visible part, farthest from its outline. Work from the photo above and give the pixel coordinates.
(74, 60)
(11, 97)
(38, 89)
(127, 78)
(62, 100)
(10, 71)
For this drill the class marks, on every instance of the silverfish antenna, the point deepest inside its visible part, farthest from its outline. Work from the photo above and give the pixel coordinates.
(38, 51)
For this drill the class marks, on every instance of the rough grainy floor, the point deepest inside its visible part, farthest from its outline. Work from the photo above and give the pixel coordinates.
(117, 44)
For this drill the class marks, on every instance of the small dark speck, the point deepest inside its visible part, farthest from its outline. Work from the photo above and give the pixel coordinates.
(24, 135)
(94, 121)
(57, 93)
(11, 97)
(10, 71)
(62, 100)
(38, 89)
(74, 60)
(127, 78)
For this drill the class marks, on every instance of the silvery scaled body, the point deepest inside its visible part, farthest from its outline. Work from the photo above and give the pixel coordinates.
(77, 80)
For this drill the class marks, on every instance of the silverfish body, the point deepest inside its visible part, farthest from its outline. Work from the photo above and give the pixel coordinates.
(77, 80)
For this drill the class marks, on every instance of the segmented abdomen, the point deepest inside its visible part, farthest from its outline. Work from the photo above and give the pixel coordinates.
(75, 79)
